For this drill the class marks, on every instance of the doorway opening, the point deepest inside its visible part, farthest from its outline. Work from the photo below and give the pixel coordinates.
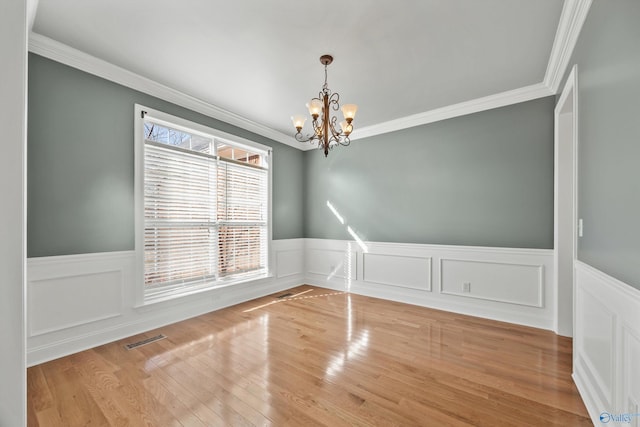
(565, 203)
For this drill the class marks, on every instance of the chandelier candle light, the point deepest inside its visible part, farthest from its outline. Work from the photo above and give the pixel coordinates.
(324, 125)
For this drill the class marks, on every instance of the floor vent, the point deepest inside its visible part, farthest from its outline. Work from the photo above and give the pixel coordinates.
(144, 342)
(288, 294)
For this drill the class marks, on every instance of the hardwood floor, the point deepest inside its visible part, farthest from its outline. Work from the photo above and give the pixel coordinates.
(320, 357)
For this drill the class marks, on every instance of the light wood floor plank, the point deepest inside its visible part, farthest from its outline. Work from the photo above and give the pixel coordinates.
(320, 358)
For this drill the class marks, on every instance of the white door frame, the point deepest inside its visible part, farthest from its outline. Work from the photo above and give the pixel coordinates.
(565, 233)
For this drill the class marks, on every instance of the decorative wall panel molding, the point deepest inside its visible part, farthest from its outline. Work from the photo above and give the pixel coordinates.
(595, 342)
(606, 348)
(64, 292)
(80, 299)
(495, 281)
(77, 302)
(289, 258)
(512, 285)
(398, 270)
(631, 370)
(331, 263)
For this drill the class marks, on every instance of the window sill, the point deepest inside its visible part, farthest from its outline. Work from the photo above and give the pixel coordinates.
(222, 284)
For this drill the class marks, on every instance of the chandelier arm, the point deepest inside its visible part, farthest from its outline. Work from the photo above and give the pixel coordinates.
(332, 125)
(317, 128)
(302, 138)
(334, 101)
(345, 142)
(335, 140)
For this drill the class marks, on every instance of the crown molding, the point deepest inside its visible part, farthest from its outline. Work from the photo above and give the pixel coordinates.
(574, 13)
(32, 9)
(502, 99)
(573, 16)
(67, 55)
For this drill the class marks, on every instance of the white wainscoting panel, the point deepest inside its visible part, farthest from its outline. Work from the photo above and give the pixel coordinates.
(606, 347)
(332, 263)
(405, 271)
(77, 302)
(495, 281)
(289, 255)
(595, 342)
(80, 299)
(631, 371)
(512, 285)
(89, 288)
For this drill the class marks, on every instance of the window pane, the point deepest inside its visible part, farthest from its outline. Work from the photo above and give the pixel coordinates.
(242, 194)
(176, 138)
(179, 186)
(178, 254)
(242, 249)
(228, 151)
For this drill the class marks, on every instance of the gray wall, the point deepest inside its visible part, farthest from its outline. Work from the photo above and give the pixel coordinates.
(80, 163)
(608, 58)
(484, 179)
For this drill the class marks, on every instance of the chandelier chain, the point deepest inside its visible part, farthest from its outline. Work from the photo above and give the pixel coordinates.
(325, 87)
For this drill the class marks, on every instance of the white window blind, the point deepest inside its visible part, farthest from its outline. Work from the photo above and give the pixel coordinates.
(242, 216)
(205, 216)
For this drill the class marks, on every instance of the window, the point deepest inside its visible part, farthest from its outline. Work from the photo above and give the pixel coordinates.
(203, 206)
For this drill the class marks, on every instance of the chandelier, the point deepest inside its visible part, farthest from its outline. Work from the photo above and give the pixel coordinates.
(324, 124)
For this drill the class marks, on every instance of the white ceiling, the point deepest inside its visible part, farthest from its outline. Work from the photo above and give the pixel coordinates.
(259, 59)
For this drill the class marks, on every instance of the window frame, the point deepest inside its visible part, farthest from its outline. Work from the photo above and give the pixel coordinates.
(143, 113)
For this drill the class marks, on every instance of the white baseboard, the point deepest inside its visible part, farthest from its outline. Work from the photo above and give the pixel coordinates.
(77, 302)
(511, 285)
(606, 347)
